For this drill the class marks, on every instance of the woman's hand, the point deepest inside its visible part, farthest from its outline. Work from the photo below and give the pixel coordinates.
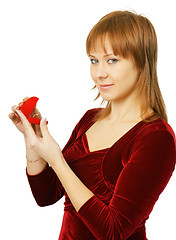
(17, 121)
(44, 145)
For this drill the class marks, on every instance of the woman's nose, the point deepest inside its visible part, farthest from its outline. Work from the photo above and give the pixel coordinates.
(102, 71)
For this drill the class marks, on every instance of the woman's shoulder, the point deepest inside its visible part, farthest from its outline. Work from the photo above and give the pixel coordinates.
(158, 126)
(158, 134)
(86, 119)
(93, 111)
(90, 113)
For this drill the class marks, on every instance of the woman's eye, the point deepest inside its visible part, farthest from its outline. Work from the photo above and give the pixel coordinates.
(93, 61)
(112, 60)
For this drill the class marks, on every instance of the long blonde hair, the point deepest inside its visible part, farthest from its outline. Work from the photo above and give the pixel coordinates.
(132, 36)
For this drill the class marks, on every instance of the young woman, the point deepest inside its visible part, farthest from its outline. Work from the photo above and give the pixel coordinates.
(118, 159)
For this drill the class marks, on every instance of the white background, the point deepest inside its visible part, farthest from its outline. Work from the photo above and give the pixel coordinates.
(42, 53)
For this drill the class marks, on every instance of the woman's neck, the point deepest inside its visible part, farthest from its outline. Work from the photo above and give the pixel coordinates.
(125, 111)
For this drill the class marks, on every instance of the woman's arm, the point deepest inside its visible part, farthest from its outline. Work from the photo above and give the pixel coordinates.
(46, 187)
(76, 190)
(137, 189)
(45, 184)
(35, 164)
(30, 154)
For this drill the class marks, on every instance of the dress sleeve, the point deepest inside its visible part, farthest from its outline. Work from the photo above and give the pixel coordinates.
(46, 186)
(138, 187)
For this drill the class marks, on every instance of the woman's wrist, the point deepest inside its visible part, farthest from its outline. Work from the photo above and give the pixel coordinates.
(30, 154)
(35, 163)
(33, 160)
(35, 166)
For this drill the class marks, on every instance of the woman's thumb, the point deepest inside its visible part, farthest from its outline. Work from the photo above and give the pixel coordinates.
(43, 127)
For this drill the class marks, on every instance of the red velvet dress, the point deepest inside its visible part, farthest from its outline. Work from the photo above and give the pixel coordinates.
(126, 179)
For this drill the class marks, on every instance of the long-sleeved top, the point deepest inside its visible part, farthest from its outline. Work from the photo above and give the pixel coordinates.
(126, 179)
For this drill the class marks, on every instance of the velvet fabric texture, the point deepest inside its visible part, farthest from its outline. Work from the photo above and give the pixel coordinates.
(126, 180)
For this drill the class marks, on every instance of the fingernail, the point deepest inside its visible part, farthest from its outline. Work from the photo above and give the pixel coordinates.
(18, 113)
(44, 121)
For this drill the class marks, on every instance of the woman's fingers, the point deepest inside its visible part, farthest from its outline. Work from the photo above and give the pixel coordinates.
(29, 132)
(19, 105)
(25, 99)
(11, 115)
(14, 116)
(35, 111)
(14, 108)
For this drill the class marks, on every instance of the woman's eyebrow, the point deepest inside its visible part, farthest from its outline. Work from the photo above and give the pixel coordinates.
(106, 55)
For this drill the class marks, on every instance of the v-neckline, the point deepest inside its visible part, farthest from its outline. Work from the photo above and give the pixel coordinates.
(108, 148)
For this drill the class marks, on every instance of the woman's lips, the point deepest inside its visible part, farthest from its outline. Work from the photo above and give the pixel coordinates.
(106, 86)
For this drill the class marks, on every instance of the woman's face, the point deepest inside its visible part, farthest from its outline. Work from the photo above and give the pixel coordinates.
(114, 76)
